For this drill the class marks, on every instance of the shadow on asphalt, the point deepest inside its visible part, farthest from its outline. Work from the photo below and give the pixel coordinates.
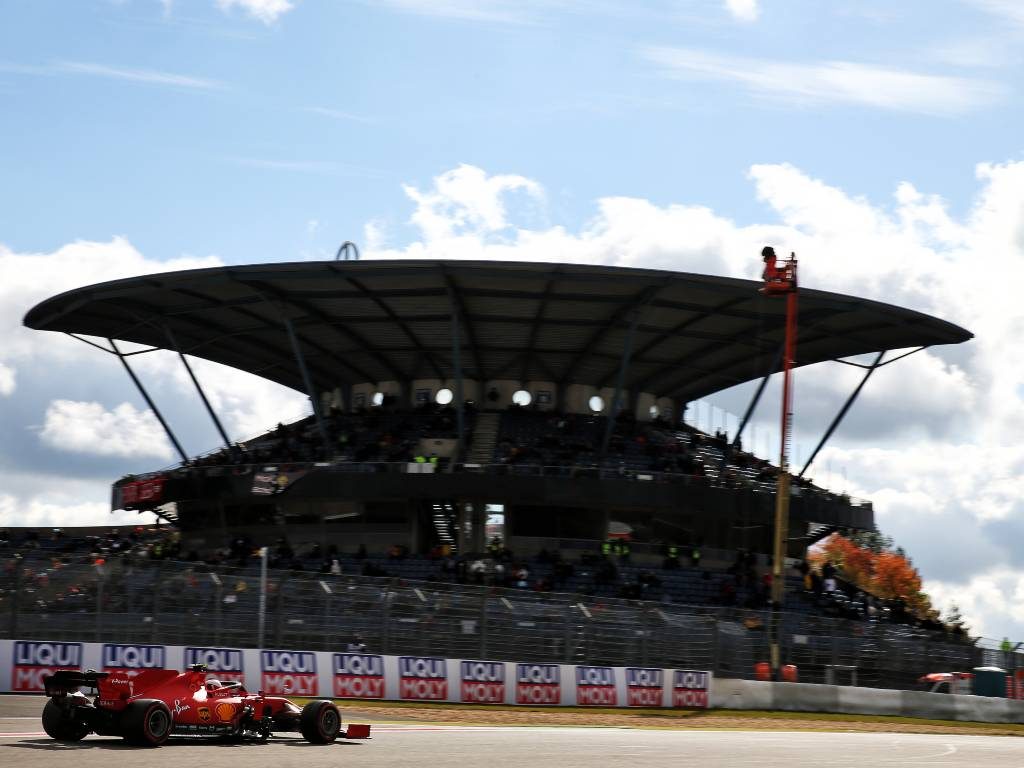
(120, 745)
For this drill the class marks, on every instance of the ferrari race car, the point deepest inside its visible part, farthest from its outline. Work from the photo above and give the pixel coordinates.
(149, 707)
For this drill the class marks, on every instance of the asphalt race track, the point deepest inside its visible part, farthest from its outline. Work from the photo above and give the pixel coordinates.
(23, 744)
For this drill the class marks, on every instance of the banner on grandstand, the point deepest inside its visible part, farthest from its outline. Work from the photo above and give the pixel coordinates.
(135, 492)
(369, 676)
(271, 480)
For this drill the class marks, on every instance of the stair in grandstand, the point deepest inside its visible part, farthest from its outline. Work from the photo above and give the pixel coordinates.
(445, 518)
(818, 532)
(485, 436)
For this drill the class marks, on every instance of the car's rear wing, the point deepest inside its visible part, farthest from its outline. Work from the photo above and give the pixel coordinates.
(65, 681)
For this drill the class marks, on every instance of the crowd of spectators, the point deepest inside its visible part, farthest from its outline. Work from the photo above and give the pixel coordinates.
(366, 435)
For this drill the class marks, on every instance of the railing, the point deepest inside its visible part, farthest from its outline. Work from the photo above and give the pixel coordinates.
(591, 471)
(194, 604)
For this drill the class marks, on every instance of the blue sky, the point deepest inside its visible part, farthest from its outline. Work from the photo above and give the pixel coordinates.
(879, 140)
(190, 128)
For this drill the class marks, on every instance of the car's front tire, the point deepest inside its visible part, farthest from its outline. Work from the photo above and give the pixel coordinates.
(61, 724)
(146, 722)
(320, 722)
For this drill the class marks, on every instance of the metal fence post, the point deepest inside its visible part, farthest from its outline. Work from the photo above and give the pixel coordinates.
(386, 617)
(15, 595)
(99, 603)
(715, 653)
(483, 625)
(646, 634)
(279, 609)
(154, 631)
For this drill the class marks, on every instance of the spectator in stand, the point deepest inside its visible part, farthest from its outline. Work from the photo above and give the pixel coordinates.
(695, 556)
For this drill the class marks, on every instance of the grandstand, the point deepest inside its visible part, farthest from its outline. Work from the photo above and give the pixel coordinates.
(548, 398)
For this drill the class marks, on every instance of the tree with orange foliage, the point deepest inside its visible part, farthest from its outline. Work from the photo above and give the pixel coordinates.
(896, 578)
(887, 574)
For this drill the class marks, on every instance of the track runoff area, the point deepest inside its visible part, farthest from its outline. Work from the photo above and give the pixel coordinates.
(398, 741)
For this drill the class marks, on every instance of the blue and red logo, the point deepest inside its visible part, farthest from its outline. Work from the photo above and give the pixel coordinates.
(690, 688)
(289, 672)
(221, 663)
(483, 681)
(422, 678)
(595, 687)
(538, 684)
(35, 661)
(645, 687)
(131, 659)
(358, 676)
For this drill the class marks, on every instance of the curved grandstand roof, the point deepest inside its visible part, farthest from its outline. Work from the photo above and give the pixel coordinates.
(370, 321)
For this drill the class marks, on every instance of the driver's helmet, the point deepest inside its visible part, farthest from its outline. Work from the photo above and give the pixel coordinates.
(212, 684)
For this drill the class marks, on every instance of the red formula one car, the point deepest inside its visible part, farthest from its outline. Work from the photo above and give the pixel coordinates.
(149, 707)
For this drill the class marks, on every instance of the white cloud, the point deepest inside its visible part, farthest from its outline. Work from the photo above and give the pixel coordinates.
(1008, 10)
(149, 76)
(90, 428)
(466, 200)
(338, 114)
(743, 10)
(267, 11)
(501, 11)
(87, 442)
(7, 380)
(62, 510)
(838, 82)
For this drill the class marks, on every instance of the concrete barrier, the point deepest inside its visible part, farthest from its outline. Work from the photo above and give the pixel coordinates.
(808, 697)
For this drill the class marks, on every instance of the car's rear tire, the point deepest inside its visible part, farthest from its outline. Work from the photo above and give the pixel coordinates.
(146, 722)
(61, 724)
(320, 722)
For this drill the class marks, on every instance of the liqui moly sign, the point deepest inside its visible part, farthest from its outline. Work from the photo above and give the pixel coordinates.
(289, 673)
(645, 687)
(422, 678)
(358, 676)
(221, 663)
(595, 687)
(482, 681)
(690, 688)
(538, 684)
(35, 661)
(132, 659)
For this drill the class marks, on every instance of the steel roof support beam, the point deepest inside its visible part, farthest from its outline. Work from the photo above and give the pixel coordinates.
(627, 350)
(842, 411)
(241, 336)
(458, 307)
(393, 316)
(538, 319)
(678, 329)
(639, 300)
(314, 400)
(328, 321)
(149, 402)
(459, 399)
(679, 382)
(202, 395)
(730, 447)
